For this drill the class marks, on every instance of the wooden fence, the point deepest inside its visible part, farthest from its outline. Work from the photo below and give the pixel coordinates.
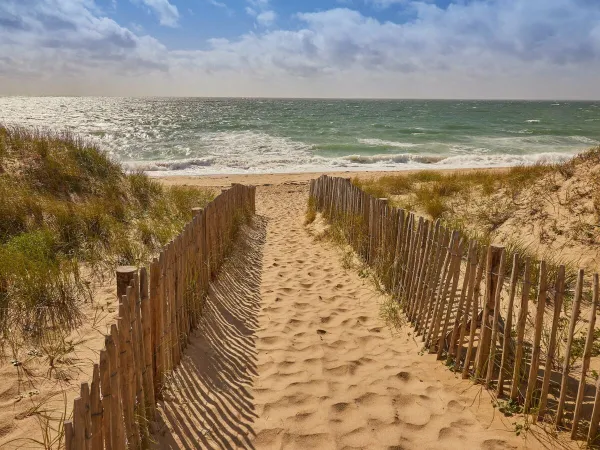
(158, 308)
(510, 323)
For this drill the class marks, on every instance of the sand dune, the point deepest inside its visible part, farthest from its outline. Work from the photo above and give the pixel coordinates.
(292, 354)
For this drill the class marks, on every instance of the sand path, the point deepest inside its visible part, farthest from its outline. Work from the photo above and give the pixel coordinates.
(292, 354)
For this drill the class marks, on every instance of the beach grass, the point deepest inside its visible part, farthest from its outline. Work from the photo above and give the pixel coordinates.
(66, 208)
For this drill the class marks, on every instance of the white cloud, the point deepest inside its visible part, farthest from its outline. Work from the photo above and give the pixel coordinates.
(259, 4)
(167, 13)
(494, 46)
(386, 3)
(67, 38)
(266, 18)
(217, 4)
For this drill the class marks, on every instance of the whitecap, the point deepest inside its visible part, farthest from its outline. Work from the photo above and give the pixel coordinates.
(384, 143)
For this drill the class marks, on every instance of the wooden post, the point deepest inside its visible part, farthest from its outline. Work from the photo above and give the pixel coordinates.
(474, 315)
(433, 252)
(496, 317)
(85, 397)
(455, 275)
(127, 380)
(96, 411)
(111, 343)
(506, 339)
(558, 301)
(146, 326)
(139, 360)
(539, 324)
(444, 286)
(491, 281)
(593, 431)
(156, 330)
(125, 276)
(442, 290)
(587, 354)
(463, 307)
(69, 436)
(163, 323)
(434, 281)
(421, 281)
(567, 362)
(516, 380)
(106, 399)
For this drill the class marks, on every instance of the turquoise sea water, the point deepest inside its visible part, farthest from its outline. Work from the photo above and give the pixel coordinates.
(201, 136)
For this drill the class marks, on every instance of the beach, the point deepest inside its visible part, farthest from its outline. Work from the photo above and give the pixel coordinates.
(325, 370)
(292, 352)
(310, 362)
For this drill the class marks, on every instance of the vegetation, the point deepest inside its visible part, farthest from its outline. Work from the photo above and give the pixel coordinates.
(64, 207)
(436, 193)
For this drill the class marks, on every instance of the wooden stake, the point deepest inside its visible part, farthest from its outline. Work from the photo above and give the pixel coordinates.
(491, 281)
(539, 325)
(587, 354)
(506, 339)
(454, 275)
(461, 313)
(558, 301)
(69, 436)
(106, 399)
(474, 315)
(96, 411)
(567, 356)
(516, 380)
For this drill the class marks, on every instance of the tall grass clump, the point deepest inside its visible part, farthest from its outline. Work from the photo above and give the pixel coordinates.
(66, 206)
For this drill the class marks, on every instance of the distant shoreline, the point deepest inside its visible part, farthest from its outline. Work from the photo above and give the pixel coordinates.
(223, 180)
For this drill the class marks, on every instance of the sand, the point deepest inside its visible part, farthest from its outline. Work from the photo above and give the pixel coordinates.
(292, 353)
(34, 399)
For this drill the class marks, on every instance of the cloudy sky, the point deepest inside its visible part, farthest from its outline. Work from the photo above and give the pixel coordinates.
(302, 48)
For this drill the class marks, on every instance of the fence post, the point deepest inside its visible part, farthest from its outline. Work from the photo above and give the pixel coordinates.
(491, 281)
(516, 380)
(125, 276)
(567, 362)
(474, 314)
(96, 411)
(106, 398)
(587, 354)
(535, 355)
(508, 325)
(463, 306)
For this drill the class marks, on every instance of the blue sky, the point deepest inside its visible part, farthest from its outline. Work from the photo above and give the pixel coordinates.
(328, 48)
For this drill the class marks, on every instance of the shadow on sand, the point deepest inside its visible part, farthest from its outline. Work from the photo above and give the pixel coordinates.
(207, 403)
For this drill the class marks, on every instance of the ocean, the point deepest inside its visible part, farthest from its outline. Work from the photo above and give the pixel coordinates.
(186, 136)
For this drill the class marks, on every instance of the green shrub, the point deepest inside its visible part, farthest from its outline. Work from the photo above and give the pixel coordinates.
(64, 204)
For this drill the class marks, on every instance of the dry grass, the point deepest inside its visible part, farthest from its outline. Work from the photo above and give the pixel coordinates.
(65, 204)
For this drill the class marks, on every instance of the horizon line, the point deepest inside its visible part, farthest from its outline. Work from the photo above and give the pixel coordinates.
(250, 97)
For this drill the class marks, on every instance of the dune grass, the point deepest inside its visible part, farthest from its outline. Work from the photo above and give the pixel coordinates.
(65, 206)
(431, 192)
(478, 202)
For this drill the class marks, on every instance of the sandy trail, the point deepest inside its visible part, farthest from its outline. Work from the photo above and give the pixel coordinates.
(292, 354)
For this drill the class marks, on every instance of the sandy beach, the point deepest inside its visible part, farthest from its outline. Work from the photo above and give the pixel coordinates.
(285, 178)
(292, 353)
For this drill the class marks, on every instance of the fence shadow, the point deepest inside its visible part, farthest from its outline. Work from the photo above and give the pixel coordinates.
(207, 403)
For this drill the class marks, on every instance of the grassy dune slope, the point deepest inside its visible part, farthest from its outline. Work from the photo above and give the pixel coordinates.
(551, 211)
(64, 206)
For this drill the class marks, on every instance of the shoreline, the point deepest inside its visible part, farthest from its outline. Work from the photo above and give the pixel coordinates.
(266, 179)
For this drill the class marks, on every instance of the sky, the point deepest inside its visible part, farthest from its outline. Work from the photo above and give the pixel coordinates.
(518, 49)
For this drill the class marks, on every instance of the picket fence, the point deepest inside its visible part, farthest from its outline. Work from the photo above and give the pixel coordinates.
(510, 325)
(158, 308)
